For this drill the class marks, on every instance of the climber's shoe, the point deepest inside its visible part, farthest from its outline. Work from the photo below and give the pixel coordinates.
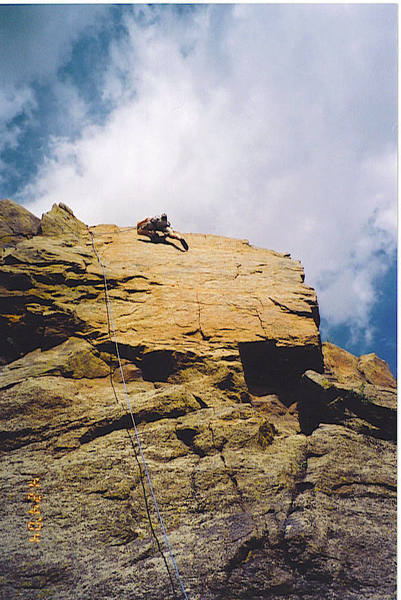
(184, 244)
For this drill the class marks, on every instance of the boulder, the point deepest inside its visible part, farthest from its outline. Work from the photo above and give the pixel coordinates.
(366, 408)
(351, 369)
(376, 371)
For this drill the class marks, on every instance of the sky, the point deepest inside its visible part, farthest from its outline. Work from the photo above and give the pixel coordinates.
(275, 123)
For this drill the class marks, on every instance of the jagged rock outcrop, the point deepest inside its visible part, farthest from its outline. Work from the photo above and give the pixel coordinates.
(60, 221)
(272, 457)
(16, 223)
(349, 369)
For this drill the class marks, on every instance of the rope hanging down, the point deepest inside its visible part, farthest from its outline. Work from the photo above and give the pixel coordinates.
(141, 474)
(109, 313)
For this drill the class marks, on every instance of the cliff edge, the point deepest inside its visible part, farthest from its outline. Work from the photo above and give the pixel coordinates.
(272, 456)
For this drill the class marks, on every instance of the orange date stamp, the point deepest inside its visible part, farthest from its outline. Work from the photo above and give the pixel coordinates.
(35, 524)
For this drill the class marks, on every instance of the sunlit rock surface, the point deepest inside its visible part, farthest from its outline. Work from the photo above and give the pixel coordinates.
(272, 458)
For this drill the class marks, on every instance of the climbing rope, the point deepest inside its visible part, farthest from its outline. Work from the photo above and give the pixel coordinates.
(138, 441)
(141, 475)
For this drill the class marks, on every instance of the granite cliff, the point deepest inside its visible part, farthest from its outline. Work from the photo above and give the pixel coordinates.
(272, 456)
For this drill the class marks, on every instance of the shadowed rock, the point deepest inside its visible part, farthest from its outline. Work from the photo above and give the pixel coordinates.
(16, 223)
(367, 408)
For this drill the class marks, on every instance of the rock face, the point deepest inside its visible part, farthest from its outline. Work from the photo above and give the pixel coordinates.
(272, 457)
(347, 368)
(16, 223)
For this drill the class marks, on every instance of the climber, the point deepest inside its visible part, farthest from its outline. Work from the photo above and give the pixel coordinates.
(152, 226)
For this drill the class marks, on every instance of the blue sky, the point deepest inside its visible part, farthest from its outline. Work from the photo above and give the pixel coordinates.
(275, 123)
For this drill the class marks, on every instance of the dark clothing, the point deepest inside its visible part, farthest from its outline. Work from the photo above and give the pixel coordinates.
(152, 225)
(157, 224)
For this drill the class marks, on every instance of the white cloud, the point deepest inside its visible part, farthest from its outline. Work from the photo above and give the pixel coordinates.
(263, 122)
(35, 41)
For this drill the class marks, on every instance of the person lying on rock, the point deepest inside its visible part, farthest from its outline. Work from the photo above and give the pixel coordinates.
(158, 229)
